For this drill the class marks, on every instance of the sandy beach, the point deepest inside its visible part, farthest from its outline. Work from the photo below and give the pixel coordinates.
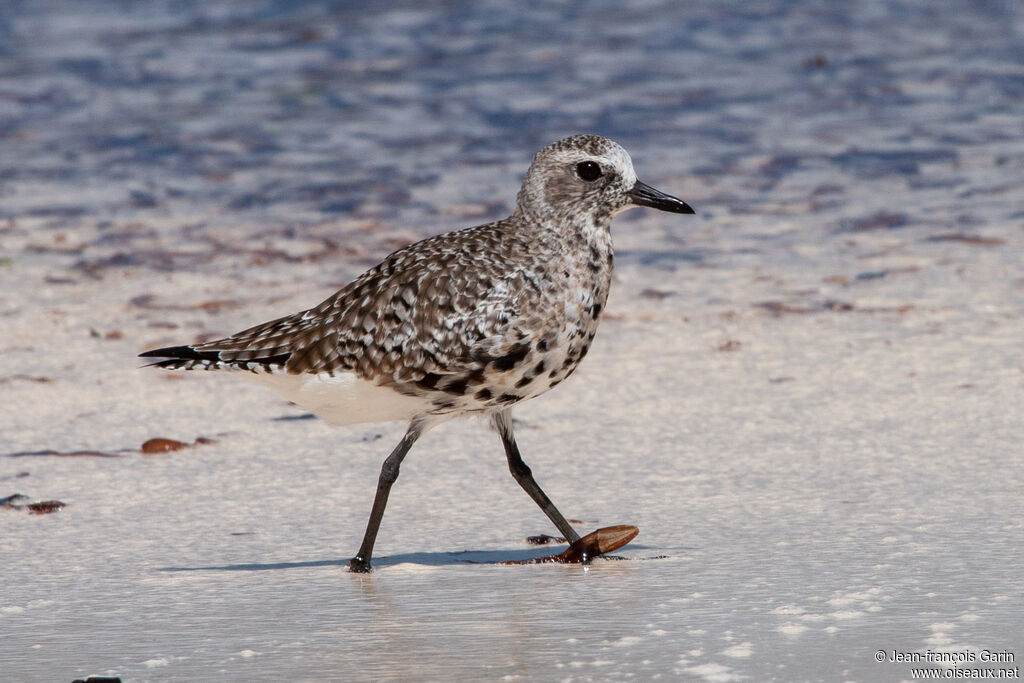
(809, 397)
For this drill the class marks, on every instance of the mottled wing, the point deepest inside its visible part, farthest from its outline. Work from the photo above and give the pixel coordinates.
(429, 318)
(449, 317)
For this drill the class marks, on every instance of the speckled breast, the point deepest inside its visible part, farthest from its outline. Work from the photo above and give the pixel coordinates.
(561, 327)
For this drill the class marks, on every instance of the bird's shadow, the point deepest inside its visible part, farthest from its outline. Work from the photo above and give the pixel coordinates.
(427, 559)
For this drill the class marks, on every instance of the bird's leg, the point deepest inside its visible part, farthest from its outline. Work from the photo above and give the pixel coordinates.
(521, 471)
(388, 474)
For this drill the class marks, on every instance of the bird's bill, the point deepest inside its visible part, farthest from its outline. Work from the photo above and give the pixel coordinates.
(643, 194)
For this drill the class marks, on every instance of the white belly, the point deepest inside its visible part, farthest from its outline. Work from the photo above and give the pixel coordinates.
(342, 398)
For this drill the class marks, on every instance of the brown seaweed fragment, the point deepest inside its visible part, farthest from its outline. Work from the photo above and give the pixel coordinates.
(163, 445)
(45, 507)
(20, 501)
(605, 540)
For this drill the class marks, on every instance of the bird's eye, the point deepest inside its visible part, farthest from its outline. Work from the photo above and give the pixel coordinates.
(588, 170)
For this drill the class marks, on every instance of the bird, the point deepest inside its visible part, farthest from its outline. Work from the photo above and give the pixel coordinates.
(468, 322)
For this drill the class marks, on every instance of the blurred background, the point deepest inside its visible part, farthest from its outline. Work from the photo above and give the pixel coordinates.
(287, 116)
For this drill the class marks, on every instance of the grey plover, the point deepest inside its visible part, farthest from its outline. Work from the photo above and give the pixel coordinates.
(468, 322)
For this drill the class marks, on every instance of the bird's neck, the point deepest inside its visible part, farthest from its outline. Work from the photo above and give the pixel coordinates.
(583, 242)
(567, 226)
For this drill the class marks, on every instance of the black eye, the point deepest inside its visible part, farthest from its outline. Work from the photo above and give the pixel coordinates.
(588, 170)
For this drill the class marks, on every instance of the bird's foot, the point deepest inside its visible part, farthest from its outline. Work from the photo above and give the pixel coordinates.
(358, 565)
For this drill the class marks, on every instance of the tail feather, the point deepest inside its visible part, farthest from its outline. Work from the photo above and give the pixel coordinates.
(182, 353)
(189, 358)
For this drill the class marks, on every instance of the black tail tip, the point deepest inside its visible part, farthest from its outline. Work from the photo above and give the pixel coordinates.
(180, 353)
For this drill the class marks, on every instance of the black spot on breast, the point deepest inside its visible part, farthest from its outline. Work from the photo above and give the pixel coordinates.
(542, 345)
(508, 398)
(481, 357)
(595, 311)
(526, 379)
(429, 381)
(595, 255)
(483, 395)
(540, 366)
(512, 358)
(456, 386)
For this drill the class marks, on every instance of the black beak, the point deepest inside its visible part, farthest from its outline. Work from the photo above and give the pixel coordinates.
(645, 195)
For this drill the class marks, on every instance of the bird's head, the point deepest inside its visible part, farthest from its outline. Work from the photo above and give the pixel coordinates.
(588, 175)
